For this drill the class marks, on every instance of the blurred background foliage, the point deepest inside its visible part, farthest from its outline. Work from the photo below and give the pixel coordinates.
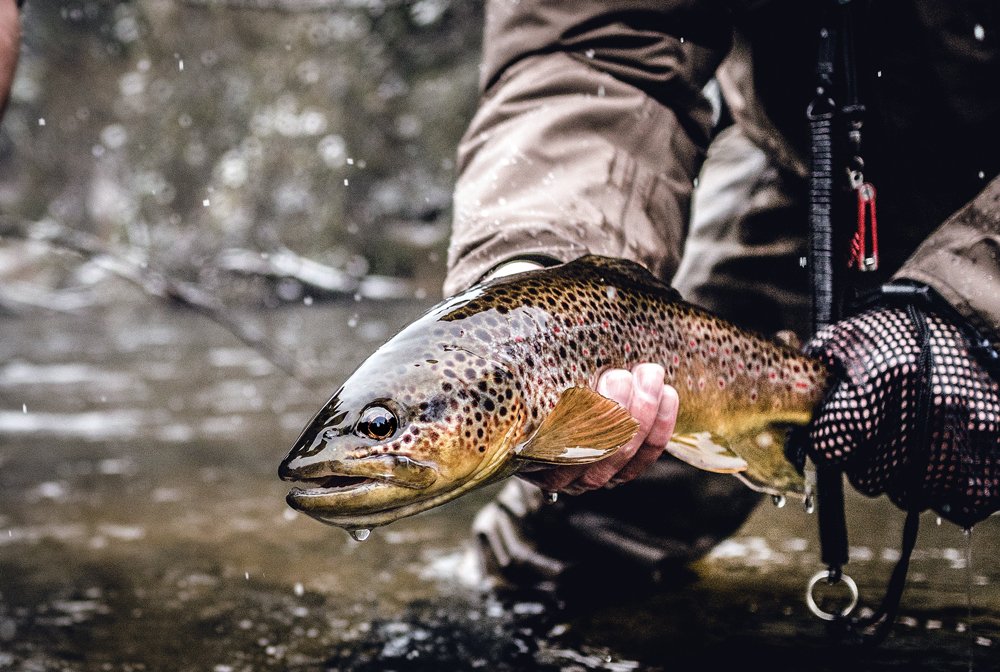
(224, 143)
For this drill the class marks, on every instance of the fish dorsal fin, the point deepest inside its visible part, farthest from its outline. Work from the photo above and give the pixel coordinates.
(582, 427)
(629, 270)
(706, 451)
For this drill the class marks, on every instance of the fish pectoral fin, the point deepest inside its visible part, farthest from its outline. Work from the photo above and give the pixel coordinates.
(707, 452)
(583, 427)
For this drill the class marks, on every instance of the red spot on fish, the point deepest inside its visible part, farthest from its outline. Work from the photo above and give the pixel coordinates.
(692, 343)
(604, 323)
(772, 375)
(555, 330)
(677, 359)
(801, 385)
(628, 347)
(722, 384)
(519, 339)
(753, 395)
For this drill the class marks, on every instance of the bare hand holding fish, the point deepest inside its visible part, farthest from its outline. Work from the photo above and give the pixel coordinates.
(500, 377)
(653, 405)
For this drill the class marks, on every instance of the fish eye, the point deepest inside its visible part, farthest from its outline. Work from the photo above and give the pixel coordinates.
(377, 422)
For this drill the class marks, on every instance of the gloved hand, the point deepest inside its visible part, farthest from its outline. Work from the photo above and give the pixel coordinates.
(871, 424)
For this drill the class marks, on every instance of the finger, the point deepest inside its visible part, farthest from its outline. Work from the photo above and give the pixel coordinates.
(646, 395)
(656, 440)
(615, 384)
(646, 389)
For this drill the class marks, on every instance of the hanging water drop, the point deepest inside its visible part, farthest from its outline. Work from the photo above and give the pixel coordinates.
(550, 497)
(778, 500)
(360, 534)
(809, 504)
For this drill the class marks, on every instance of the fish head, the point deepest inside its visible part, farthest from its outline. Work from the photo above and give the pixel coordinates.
(413, 427)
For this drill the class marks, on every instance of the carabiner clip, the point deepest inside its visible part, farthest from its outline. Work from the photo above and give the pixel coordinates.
(864, 250)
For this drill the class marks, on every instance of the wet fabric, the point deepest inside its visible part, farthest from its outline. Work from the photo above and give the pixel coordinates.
(871, 423)
(593, 126)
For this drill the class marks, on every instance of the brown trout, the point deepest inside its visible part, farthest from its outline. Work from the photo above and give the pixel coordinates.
(503, 375)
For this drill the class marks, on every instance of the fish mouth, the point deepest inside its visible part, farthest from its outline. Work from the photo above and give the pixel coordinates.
(362, 493)
(353, 502)
(332, 485)
(357, 502)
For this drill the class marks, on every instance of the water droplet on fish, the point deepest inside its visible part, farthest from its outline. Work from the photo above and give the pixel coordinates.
(299, 589)
(778, 500)
(551, 497)
(360, 534)
(809, 504)
(967, 532)
(937, 521)
(979, 32)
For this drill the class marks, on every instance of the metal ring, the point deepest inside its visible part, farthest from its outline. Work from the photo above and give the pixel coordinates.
(824, 575)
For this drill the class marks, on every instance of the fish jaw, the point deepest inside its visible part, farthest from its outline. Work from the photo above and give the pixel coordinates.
(338, 506)
(364, 503)
(344, 489)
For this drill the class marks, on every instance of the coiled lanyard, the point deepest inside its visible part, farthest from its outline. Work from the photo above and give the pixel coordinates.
(825, 115)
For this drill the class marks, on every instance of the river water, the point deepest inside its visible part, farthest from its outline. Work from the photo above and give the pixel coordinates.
(143, 527)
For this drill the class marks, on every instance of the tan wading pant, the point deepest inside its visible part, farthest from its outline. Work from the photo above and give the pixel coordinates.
(741, 260)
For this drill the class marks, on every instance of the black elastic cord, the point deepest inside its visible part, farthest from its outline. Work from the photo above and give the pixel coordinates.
(873, 630)
(820, 115)
(832, 520)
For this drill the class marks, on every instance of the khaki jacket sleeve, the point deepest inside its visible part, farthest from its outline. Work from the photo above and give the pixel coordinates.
(589, 133)
(961, 261)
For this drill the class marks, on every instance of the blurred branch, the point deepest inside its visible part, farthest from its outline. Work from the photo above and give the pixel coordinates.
(154, 283)
(289, 6)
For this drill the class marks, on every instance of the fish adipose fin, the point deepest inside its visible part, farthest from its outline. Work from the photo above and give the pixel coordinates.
(706, 451)
(583, 427)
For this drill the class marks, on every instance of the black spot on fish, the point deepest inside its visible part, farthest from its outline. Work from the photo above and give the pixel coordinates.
(435, 409)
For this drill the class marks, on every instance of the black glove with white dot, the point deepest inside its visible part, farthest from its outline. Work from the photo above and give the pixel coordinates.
(912, 412)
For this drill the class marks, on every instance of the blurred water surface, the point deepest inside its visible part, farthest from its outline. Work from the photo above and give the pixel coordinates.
(142, 527)
(270, 152)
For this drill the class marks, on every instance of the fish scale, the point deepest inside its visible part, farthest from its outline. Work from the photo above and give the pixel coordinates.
(480, 385)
